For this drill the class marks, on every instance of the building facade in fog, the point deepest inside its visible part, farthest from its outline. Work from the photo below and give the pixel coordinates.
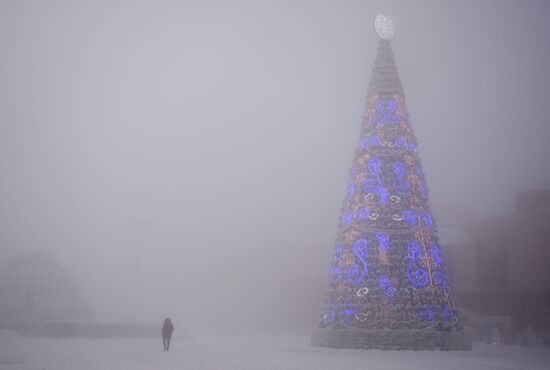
(502, 267)
(34, 287)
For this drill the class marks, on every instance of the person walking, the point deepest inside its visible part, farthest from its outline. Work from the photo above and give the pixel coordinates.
(167, 330)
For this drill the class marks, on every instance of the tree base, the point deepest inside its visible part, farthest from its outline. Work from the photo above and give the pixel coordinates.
(403, 339)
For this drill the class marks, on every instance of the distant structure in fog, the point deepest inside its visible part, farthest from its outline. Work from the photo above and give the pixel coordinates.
(388, 283)
(502, 267)
(34, 287)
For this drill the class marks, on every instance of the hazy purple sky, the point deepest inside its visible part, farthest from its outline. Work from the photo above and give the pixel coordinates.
(230, 126)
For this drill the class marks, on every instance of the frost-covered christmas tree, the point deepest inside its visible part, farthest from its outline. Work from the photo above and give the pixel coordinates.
(388, 285)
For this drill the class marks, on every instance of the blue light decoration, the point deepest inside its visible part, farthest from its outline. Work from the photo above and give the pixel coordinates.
(338, 251)
(385, 283)
(423, 191)
(362, 144)
(400, 143)
(368, 185)
(439, 279)
(351, 188)
(357, 273)
(392, 105)
(409, 216)
(363, 213)
(374, 140)
(400, 170)
(426, 313)
(436, 255)
(400, 184)
(350, 311)
(447, 313)
(387, 239)
(417, 276)
(383, 194)
(335, 273)
(379, 115)
(374, 168)
(354, 171)
(427, 219)
(412, 146)
(413, 250)
(384, 240)
(393, 118)
(386, 111)
(347, 217)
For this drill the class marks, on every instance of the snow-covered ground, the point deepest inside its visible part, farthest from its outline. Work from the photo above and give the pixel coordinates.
(243, 352)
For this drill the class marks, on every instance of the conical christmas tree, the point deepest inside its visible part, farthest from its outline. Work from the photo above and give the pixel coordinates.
(388, 286)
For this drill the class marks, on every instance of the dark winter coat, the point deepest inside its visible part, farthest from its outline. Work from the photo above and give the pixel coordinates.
(167, 329)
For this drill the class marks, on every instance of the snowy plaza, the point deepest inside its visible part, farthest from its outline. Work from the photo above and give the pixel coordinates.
(247, 352)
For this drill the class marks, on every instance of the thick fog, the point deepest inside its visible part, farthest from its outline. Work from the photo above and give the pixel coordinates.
(188, 159)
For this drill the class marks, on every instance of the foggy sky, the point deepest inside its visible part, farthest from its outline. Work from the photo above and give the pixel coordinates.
(230, 127)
